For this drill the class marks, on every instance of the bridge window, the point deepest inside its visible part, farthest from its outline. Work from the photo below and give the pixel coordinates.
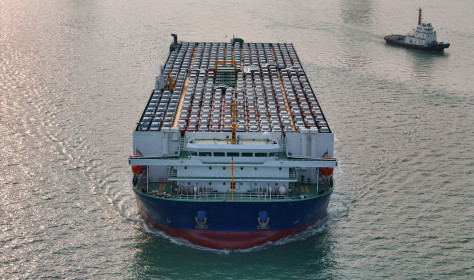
(219, 154)
(261, 154)
(194, 153)
(204, 154)
(232, 154)
(247, 154)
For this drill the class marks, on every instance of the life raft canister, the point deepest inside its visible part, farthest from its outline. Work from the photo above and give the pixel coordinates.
(326, 171)
(138, 169)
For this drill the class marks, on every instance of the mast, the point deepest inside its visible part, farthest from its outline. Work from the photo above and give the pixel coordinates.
(419, 16)
(233, 140)
(170, 79)
(232, 183)
(234, 120)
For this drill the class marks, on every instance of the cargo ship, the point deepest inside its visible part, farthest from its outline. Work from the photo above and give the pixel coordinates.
(232, 150)
(422, 38)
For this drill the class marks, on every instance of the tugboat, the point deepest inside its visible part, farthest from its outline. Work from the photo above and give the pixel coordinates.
(423, 38)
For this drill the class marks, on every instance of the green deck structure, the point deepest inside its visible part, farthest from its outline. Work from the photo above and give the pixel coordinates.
(169, 190)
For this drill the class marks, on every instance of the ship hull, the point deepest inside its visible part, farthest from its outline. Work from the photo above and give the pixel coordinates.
(231, 225)
(399, 40)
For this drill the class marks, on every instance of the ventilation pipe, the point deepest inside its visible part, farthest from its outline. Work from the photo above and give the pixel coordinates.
(304, 142)
(175, 42)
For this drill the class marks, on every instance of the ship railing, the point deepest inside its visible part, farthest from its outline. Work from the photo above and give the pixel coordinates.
(277, 157)
(174, 157)
(311, 159)
(227, 196)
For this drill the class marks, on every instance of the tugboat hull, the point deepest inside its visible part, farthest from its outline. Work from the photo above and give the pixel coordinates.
(399, 40)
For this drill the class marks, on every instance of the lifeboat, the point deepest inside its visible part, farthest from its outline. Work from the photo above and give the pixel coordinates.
(138, 169)
(327, 171)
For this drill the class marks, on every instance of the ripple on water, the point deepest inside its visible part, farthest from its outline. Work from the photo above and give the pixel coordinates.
(403, 123)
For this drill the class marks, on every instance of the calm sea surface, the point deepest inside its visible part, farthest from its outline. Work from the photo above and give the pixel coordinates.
(75, 76)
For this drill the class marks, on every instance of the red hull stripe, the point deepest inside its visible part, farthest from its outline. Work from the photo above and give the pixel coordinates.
(230, 240)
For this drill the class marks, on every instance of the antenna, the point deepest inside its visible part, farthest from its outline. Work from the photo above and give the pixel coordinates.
(419, 15)
(233, 105)
(234, 120)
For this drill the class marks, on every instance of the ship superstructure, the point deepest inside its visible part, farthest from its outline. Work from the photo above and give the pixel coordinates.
(232, 149)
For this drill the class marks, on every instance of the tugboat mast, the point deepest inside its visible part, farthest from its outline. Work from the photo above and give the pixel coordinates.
(419, 15)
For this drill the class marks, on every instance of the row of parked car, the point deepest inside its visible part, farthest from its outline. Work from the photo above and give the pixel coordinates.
(272, 91)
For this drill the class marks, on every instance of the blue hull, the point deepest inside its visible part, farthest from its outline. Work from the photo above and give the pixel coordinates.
(231, 225)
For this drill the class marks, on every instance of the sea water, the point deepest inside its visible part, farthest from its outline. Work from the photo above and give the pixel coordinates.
(76, 75)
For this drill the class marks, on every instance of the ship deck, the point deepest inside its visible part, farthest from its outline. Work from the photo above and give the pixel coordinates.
(168, 190)
(271, 87)
(277, 156)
